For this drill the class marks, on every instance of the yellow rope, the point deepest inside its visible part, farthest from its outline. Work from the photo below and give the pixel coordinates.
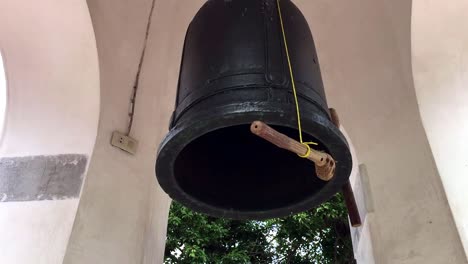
(306, 155)
(293, 83)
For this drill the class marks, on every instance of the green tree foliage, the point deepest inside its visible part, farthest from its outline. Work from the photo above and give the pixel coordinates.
(320, 235)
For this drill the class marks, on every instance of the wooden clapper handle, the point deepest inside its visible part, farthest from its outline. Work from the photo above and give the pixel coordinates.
(324, 163)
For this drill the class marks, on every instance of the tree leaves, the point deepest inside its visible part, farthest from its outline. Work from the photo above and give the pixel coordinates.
(320, 235)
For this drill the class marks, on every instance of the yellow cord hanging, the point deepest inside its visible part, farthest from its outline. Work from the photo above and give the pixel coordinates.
(293, 83)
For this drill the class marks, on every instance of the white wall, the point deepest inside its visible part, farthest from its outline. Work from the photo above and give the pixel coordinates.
(3, 96)
(35, 232)
(440, 68)
(51, 64)
(50, 58)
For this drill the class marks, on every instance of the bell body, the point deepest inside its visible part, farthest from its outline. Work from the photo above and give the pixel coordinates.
(234, 71)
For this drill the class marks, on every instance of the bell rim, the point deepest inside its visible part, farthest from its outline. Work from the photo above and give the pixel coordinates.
(190, 129)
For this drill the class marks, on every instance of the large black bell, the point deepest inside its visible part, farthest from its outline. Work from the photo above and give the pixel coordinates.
(234, 71)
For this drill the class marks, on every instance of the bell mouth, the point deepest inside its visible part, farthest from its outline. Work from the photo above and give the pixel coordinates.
(218, 167)
(232, 169)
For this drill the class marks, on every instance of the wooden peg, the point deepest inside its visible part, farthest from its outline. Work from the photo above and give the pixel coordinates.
(324, 163)
(351, 205)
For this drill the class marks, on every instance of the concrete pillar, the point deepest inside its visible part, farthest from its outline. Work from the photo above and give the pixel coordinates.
(122, 216)
(440, 68)
(52, 111)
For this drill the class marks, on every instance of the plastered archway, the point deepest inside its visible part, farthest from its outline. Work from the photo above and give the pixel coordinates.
(53, 106)
(3, 96)
(440, 68)
(52, 113)
(364, 51)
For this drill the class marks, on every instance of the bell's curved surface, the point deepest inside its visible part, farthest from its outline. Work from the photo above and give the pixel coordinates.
(234, 71)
